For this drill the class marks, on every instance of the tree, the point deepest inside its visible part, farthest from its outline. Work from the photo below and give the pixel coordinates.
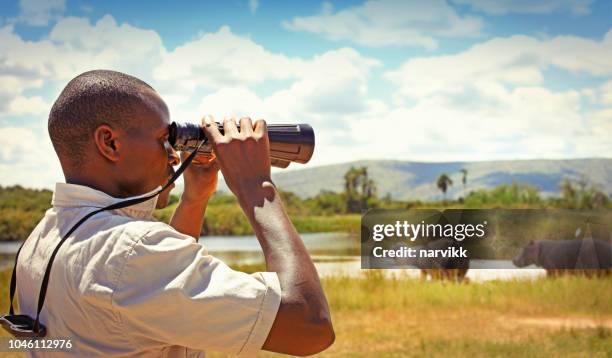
(443, 183)
(464, 177)
(569, 193)
(328, 203)
(359, 189)
(580, 195)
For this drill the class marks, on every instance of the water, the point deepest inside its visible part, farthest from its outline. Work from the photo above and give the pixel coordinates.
(332, 253)
(9, 247)
(352, 268)
(246, 249)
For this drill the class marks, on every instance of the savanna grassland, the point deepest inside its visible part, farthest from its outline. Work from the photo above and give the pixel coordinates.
(378, 316)
(375, 316)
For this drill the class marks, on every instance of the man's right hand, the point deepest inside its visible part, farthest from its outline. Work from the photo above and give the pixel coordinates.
(243, 156)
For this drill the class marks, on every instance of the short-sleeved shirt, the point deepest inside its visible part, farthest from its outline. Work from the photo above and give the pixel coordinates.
(124, 284)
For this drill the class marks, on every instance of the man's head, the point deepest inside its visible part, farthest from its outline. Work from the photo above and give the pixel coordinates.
(110, 130)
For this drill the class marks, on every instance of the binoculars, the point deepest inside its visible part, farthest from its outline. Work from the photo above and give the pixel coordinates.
(288, 142)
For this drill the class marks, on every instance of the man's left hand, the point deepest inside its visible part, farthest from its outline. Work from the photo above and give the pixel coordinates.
(200, 177)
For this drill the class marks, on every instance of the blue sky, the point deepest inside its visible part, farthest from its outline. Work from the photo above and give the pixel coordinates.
(456, 79)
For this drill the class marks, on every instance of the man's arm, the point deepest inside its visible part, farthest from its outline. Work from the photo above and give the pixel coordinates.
(200, 184)
(303, 312)
(188, 217)
(303, 323)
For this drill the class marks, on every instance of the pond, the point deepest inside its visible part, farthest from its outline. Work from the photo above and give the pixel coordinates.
(332, 253)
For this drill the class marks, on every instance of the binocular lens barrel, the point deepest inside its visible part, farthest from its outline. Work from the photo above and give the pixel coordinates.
(288, 142)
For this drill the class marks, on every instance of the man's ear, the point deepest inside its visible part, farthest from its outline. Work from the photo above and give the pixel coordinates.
(106, 141)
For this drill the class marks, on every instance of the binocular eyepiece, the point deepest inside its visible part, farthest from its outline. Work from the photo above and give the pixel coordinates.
(288, 142)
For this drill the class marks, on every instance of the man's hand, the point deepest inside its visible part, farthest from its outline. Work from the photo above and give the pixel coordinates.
(200, 177)
(244, 157)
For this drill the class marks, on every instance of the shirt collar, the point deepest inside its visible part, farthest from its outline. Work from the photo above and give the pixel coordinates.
(73, 195)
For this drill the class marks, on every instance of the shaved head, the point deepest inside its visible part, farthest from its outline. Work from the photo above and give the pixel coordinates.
(89, 100)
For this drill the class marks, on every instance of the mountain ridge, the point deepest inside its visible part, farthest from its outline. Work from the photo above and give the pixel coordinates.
(416, 180)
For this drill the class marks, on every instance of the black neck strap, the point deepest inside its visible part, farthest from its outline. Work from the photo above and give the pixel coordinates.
(119, 205)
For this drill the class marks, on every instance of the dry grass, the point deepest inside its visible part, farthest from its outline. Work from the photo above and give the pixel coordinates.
(379, 317)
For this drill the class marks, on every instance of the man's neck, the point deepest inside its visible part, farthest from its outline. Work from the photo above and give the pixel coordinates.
(99, 182)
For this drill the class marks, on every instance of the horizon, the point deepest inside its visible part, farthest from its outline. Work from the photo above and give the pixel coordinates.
(294, 167)
(453, 80)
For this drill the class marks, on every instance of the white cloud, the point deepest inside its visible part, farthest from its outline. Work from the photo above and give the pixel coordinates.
(330, 93)
(11, 87)
(214, 60)
(40, 12)
(601, 124)
(82, 46)
(380, 23)
(502, 7)
(27, 158)
(223, 59)
(605, 93)
(513, 61)
(525, 123)
(490, 101)
(35, 105)
(331, 85)
(253, 5)
(72, 47)
(15, 142)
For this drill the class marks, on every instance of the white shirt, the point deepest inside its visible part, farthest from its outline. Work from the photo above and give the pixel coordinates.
(126, 285)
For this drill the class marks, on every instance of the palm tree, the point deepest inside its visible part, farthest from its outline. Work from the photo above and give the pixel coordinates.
(464, 173)
(351, 182)
(443, 182)
(569, 192)
(464, 177)
(358, 188)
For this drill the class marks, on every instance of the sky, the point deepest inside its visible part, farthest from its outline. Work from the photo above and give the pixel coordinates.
(439, 80)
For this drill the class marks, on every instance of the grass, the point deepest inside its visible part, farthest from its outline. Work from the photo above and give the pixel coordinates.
(564, 296)
(376, 316)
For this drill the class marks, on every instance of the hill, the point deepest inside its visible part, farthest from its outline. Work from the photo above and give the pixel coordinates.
(407, 180)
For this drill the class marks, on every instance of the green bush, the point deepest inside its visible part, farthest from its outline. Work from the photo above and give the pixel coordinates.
(20, 210)
(505, 195)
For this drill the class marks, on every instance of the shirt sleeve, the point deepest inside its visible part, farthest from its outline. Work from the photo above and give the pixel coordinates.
(172, 292)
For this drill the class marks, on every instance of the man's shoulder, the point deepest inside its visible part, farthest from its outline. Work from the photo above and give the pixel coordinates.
(145, 230)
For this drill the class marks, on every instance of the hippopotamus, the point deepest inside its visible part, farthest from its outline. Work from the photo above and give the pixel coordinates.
(587, 256)
(442, 268)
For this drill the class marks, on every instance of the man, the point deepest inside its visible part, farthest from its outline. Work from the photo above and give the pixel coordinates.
(126, 285)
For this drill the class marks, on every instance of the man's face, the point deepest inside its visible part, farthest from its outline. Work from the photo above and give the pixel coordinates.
(147, 158)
